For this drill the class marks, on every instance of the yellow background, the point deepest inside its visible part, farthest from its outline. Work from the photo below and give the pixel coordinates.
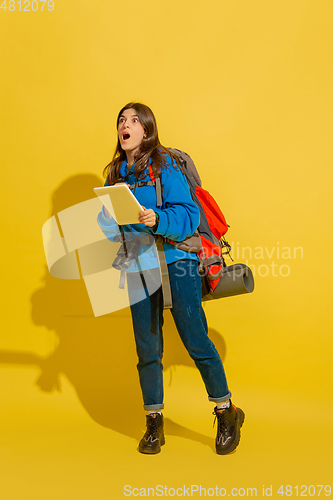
(245, 88)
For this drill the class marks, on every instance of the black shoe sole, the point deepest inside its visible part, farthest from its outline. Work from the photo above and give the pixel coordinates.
(151, 451)
(239, 423)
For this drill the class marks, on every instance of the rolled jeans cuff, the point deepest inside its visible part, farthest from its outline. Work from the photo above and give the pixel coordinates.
(222, 399)
(153, 407)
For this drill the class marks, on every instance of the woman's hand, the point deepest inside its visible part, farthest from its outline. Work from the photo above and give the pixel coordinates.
(147, 217)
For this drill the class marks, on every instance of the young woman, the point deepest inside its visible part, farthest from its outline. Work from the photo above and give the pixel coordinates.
(139, 147)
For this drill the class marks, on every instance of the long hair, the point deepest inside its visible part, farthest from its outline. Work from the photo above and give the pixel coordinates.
(150, 147)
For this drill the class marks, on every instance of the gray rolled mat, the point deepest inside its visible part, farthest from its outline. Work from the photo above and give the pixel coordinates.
(235, 280)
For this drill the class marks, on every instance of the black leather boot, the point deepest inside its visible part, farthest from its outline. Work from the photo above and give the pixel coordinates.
(229, 423)
(154, 435)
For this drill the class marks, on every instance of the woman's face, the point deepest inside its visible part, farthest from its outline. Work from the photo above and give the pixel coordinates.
(130, 132)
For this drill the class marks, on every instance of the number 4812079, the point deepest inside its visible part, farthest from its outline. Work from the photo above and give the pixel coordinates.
(305, 490)
(35, 5)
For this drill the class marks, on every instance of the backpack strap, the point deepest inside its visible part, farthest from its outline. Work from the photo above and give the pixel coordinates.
(156, 178)
(167, 299)
(122, 279)
(141, 183)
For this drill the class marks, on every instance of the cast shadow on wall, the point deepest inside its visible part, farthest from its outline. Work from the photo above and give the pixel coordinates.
(97, 354)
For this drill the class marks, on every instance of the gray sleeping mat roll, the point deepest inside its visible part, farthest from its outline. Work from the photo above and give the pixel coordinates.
(235, 280)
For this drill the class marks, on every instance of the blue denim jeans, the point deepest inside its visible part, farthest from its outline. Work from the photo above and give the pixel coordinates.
(190, 320)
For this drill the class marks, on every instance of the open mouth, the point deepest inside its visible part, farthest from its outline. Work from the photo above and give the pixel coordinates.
(126, 136)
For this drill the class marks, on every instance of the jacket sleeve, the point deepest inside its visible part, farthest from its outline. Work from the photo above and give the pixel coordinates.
(179, 216)
(109, 227)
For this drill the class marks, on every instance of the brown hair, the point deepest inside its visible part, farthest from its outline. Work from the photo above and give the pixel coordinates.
(150, 147)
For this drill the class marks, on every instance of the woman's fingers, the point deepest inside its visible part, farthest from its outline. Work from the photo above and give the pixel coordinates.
(147, 217)
(141, 214)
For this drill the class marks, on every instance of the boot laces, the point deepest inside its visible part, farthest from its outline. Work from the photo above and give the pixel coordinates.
(152, 427)
(222, 424)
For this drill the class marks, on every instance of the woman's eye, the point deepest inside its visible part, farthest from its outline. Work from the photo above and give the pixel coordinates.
(135, 120)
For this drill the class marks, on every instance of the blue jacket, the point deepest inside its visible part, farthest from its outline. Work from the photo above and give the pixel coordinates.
(178, 217)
